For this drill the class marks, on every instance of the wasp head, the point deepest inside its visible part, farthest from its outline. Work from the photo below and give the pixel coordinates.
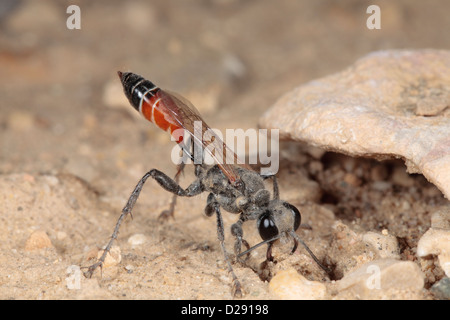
(280, 218)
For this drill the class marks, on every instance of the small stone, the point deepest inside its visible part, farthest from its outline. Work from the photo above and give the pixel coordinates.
(129, 268)
(385, 244)
(381, 279)
(38, 240)
(441, 289)
(73, 278)
(436, 242)
(348, 249)
(290, 285)
(61, 235)
(113, 257)
(137, 239)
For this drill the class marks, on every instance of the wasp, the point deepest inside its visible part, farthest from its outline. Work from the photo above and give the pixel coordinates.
(233, 187)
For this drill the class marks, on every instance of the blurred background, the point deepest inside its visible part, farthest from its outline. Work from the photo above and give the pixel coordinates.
(61, 104)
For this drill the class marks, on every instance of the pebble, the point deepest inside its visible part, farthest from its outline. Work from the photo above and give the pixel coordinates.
(348, 249)
(385, 244)
(113, 257)
(290, 285)
(441, 289)
(137, 239)
(380, 279)
(436, 242)
(38, 240)
(73, 277)
(61, 235)
(440, 219)
(129, 268)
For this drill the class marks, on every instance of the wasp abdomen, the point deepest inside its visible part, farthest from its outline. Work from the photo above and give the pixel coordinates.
(150, 101)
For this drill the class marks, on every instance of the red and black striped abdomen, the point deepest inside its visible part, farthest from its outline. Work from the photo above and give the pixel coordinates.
(152, 102)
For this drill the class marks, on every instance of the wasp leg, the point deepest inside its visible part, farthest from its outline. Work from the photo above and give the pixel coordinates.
(169, 213)
(295, 246)
(236, 231)
(194, 189)
(125, 211)
(168, 184)
(212, 207)
(276, 193)
(269, 256)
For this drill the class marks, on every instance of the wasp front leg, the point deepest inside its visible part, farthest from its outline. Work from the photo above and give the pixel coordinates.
(238, 233)
(276, 192)
(212, 207)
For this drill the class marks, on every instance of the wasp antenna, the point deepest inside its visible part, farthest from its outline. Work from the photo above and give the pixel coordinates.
(296, 237)
(258, 245)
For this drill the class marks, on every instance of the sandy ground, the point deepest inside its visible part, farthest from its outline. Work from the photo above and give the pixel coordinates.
(72, 151)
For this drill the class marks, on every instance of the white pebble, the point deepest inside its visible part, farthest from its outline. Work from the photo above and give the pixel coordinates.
(290, 285)
(137, 239)
(38, 240)
(384, 244)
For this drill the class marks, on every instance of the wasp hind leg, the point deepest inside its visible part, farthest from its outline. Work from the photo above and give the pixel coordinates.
(170, 213)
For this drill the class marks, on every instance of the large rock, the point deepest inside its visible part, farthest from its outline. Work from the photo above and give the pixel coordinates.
(389, 104)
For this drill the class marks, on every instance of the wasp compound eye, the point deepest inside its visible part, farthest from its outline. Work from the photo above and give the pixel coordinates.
(266, 227)
(295, 213)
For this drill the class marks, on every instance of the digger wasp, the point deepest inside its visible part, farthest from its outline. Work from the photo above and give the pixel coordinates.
(234, 187)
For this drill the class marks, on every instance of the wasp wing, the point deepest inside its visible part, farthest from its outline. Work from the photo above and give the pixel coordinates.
(184, 112)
